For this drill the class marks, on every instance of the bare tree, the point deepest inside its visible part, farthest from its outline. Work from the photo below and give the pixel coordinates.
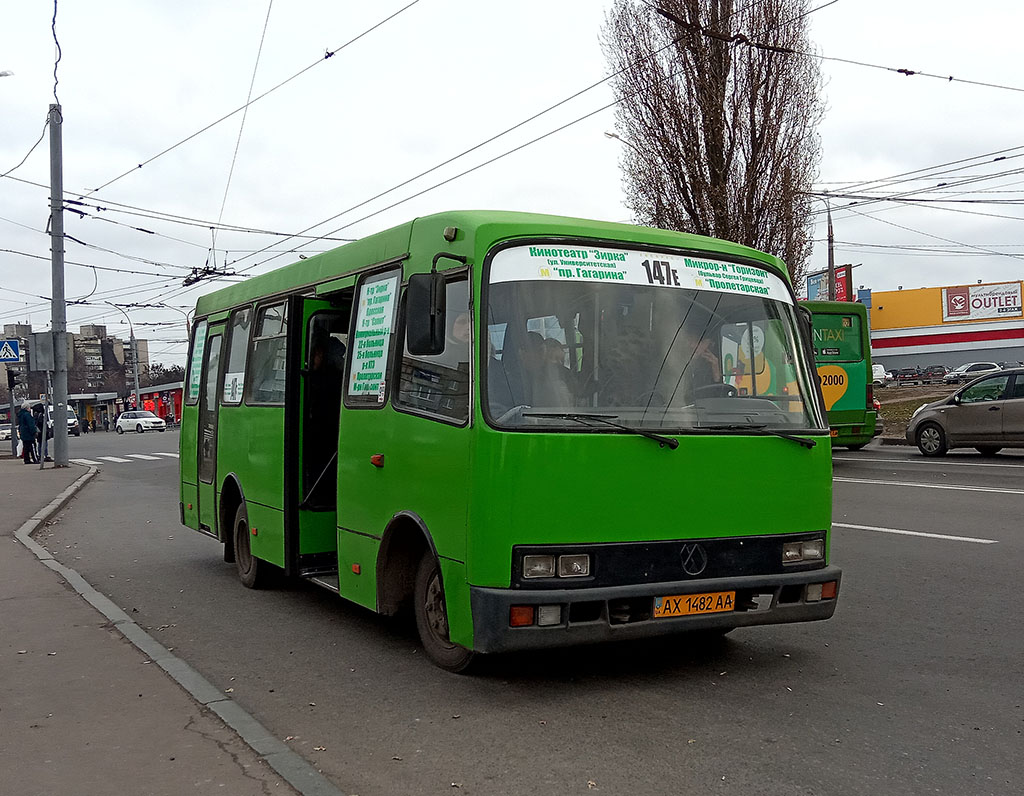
(718, 109)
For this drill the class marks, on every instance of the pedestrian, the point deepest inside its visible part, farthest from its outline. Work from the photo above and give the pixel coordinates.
(39, 415)
(27, 432)
(106, 422)
(93, 424)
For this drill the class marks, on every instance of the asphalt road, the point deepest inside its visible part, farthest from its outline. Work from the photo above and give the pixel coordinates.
(915, 686)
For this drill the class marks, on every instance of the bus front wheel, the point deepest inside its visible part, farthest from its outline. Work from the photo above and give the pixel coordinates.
(254, 573)
(432, 619)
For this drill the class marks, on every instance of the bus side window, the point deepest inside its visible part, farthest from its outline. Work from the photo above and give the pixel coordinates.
(439, 384)
(268, 356)
(195, 365)
(238, 345)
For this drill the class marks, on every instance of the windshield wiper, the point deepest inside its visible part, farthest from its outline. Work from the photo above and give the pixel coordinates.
(761, 429)
(607, 420)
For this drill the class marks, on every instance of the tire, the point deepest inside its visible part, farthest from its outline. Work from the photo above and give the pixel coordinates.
(856, 447)
(432, 619)
(988, 450)
(253, 572)
(931, 440)
(119, 430)
(140, 429)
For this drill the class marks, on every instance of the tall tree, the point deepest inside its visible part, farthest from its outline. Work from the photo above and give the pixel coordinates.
(718, 109)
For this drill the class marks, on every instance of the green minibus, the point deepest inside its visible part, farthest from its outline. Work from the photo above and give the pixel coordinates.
(528, 431)
(842, 354)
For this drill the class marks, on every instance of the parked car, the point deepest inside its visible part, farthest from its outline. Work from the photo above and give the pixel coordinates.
(879, 375)
(901, 375)
(935, 373)
(5, 431)
(969, 371)
(987, 414)
(139, 420)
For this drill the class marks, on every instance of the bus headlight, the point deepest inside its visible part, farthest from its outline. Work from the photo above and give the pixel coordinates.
(538, 566)
(808, 550)
(574, 566)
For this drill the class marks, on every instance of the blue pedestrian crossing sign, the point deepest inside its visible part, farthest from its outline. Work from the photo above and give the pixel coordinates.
(10, 350)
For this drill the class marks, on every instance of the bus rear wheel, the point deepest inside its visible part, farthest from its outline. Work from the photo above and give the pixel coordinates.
(432, 619)
(254, 573)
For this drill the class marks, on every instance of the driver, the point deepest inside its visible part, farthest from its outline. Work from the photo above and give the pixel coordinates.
(703, 368)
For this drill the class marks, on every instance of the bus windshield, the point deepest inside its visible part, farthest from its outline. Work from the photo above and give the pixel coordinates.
(629, 339)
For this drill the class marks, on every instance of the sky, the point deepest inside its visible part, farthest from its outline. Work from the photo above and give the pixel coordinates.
(359, 141)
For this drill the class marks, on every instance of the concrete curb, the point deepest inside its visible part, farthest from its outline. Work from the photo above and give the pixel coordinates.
(293, 768)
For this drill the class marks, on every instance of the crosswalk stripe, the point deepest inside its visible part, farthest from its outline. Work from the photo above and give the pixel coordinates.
(116, 459)
(174, 455)
(144, 456)
(84, 461)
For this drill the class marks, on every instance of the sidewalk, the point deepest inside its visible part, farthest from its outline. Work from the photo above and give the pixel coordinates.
(84, 711)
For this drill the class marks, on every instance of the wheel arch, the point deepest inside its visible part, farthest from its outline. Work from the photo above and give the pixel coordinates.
(231, 497)
(403, 544)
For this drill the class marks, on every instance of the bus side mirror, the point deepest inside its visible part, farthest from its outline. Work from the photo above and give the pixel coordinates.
(425, 314)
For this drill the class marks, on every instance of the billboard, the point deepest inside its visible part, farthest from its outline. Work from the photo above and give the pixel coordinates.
(817, 286)
(981, 302)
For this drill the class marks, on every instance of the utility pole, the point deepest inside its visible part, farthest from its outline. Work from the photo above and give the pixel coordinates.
(831, 257)
(58, 307)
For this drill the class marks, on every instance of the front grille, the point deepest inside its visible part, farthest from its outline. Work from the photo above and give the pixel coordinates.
(636, 563)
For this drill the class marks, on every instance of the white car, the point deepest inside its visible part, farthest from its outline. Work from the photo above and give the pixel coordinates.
(5, 431)
(879, 375)
(139, 420)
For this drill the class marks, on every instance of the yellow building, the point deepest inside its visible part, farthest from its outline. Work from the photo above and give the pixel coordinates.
(948, 325)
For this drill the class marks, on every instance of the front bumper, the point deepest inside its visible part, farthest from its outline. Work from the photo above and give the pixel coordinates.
(626, 612)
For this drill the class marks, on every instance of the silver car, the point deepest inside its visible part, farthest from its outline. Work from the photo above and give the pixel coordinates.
(987, 414)
(969, 371)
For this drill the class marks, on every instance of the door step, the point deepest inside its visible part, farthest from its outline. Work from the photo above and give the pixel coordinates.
(328, 580)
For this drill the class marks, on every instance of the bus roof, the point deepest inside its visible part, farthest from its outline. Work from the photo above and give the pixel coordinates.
(479, 227)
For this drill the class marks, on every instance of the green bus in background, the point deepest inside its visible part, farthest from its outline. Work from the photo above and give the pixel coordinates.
(531, 431)
(842, 353)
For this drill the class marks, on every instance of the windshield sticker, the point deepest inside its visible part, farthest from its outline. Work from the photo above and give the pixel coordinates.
(373, 338)
(660, 270)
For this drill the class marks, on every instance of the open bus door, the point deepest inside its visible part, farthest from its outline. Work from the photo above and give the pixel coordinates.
(206, 449)
(318, 349)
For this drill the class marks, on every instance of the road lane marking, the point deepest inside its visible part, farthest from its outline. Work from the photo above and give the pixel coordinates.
(937, 463)
(116, 459)
(954, 487)
(915, 533)
(144, 456)
(85, 461)
(168, 454)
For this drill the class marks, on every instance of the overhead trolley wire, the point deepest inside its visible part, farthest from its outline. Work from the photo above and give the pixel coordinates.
(327, 55)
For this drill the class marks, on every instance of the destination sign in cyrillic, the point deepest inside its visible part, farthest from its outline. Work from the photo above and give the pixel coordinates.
(369, 351)
(657, 270)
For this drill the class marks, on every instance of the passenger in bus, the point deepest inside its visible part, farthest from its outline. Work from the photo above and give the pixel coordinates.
(546, 382)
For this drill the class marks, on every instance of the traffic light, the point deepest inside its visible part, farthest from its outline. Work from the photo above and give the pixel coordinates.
(14, 378)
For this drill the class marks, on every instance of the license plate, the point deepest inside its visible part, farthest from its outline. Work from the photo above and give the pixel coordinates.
(833, 432)
(687, 604)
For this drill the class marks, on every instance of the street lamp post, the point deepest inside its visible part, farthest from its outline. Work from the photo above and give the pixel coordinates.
(135, 352)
